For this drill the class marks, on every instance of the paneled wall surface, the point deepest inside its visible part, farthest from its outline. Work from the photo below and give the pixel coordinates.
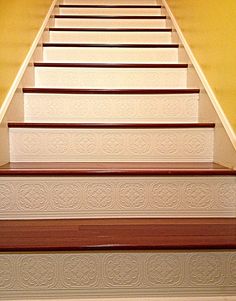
(20, 21)
(209, 28)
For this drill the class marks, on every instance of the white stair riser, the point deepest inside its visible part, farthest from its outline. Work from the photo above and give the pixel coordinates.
(113, 2)
(118, 274)
(91, 145)
(105, 78)
(112, 197)
(111, 11)
(110, 23)
(110, 55)
(110, 37)
(110, 108)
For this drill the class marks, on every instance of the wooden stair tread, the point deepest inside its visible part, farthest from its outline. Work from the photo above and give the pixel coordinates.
(107, 6)
(110, 91)
(111, 29)
(99, 45)
(115, 169)
(107, 17)
(109, 65)
(117, 234)
(108, 125)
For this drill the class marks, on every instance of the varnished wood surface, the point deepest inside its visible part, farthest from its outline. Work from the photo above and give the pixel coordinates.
(109, 125)
(111, 29)
(117, 234)
(109, 65)
(109, 45)
(107, 17)
(114, 169)
(107, 6)
(110, 91)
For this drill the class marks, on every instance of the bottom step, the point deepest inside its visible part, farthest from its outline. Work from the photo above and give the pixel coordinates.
(117, 258)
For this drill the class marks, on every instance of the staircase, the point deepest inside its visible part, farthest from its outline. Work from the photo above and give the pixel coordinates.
(112, 189)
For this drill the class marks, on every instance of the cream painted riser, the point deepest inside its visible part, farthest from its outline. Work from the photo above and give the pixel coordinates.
(112, 197)
(110, 23)
(111, 11)
(110, 55)
(118, 274)
(105, 78)
(65, 145)
(110, 108)
(112, 2)
(110, 37)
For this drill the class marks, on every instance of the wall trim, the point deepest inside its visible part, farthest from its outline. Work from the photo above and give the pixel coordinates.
(25, 64)
(225, 122)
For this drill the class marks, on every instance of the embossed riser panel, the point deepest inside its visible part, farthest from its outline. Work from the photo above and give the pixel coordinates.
(111, 37)
(105, 78)
(110, 55)
(113, 2)
(117, 274)
(110, 108)
(91, 145)
(111, 11)
(110, 23)
(90, 197)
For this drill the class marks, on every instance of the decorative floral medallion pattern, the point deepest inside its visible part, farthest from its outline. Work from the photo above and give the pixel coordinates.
(121, 270)
(206, 270)
(6, 272)
(38, 271)
(164, 269)
(80, 271)
(112, 273)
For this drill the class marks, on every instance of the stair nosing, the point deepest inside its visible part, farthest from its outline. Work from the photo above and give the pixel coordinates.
(107, 6)
(110, 91)
(108, 125)
(108, 17)
(101, 45)
(110, 65)
(115, 169)
(111, 29)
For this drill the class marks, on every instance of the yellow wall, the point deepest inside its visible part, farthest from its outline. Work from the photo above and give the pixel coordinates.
(20, 21)
(209, 27)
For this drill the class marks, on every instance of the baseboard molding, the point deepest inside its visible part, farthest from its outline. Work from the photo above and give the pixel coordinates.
(205, 83)
(25, 64)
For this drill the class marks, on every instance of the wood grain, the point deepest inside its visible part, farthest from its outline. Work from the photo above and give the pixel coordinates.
(109, 65)
(108, 45)
(110, 91)
(108, 17)
(111, 29)
(107, 6)
(109, 125)
(117, 234)
(114, 169)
